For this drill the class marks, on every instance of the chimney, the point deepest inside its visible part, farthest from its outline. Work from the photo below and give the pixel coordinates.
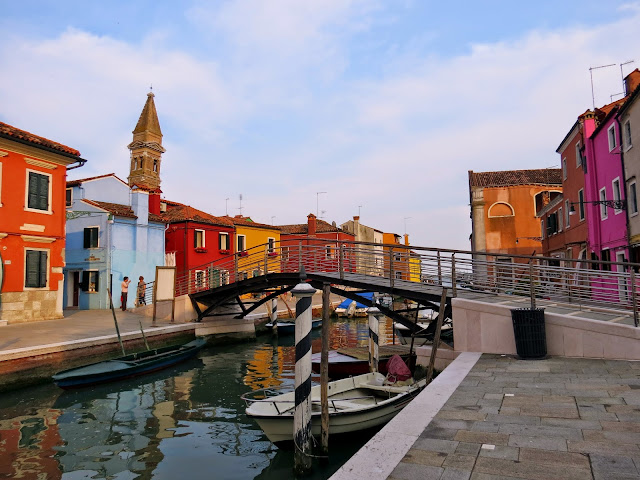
(631, 81)
(154, 201)
(140, 205)
(311, 224)
(406, 239)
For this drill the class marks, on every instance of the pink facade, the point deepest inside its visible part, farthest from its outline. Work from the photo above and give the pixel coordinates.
(604, 180)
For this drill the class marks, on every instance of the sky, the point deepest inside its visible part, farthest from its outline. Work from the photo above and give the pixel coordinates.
(383, 106)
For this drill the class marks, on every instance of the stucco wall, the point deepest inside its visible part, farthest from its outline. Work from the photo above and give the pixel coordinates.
(488, 328)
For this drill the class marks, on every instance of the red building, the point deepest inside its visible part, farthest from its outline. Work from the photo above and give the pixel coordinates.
(195, 238)
(320, 242)
(33, 173)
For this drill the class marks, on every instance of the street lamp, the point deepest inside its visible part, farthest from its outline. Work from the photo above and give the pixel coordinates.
(317, 202)
(615, 204)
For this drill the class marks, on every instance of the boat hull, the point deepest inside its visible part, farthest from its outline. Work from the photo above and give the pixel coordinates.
(341, 366)
(127, 367)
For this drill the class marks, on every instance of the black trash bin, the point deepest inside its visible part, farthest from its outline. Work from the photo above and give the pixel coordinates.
(529, 332)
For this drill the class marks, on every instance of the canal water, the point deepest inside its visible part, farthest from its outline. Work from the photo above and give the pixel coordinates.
(187, 422)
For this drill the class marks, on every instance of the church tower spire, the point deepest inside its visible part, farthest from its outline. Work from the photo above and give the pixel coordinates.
(146, 149)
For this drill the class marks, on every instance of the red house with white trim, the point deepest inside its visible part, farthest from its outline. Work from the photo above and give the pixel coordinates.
(33, 173)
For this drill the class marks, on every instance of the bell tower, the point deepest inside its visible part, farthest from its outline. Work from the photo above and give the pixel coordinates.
(146, 149)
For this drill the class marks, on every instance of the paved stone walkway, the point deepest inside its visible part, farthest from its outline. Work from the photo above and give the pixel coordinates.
(559, 418)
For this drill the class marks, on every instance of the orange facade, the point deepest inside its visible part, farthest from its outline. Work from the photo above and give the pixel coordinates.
(504, 207)
(32, 224)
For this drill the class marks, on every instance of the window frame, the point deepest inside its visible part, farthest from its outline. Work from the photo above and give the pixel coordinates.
(564, 168)
(581, 204)
(559, 216)
(68, 202)
(567, 213)
(27, 208)
(97, 237)
(226, 245)
(85, 286)
(198, 232)
(611, 137)
(271, 244)
(632, 199)
(47, 252)
(328, 252)
(578, 154)
(617, 193)
(602, 196)
(542, 230)
(244, 243)
(626, 135)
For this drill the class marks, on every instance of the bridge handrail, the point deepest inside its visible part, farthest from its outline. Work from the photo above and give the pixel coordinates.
(558, 279)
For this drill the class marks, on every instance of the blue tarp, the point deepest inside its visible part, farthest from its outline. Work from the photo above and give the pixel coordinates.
(345, 304)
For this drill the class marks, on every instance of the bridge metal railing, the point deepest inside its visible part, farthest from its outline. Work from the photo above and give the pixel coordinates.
(610, 285)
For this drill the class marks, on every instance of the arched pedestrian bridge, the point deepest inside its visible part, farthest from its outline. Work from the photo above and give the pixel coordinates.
(250, 278)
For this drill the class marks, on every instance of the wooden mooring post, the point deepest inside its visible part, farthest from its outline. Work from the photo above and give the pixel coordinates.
(302, 413)
(436, 336)
(374, 319)
(324, 372)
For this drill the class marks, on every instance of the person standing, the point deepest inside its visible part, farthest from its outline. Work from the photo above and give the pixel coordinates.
(141, 290)
(124, 286)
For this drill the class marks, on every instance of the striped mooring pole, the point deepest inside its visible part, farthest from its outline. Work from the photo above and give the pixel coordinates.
(302, 413)
(374, 321)
(273, 314)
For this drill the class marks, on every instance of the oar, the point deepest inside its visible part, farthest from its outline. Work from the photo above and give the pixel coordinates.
(115, 320)
(143, 335)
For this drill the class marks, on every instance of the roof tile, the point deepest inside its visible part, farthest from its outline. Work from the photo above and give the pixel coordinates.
(7, 130)
(543, 176)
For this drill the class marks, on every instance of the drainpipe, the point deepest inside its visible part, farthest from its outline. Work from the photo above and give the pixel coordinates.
(624, 189)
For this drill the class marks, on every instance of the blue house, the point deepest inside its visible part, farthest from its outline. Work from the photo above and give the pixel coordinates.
(111, 232)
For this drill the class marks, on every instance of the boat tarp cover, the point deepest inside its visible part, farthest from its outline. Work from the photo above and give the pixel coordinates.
(397, 370)
(347, 301)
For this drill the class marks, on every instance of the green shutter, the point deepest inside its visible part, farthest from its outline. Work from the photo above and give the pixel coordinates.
(87, 238)
(219, 241)
(43, 270)
(43, 192)
(195, 239)
(31, 270)
(32, 201)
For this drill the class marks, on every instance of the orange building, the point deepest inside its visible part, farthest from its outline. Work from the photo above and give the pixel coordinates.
(33, 173)
(504, 206)
(400, 257)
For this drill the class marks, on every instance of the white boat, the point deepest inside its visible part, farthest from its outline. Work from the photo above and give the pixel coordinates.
(355, 404)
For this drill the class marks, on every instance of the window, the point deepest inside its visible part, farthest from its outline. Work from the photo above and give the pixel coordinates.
(559, 219)
(603, 207)
(272, 245)
(241, 243)
(567, 211)
(90, 281)
(198, 239)
(69, 197)
(564, 168)
(581, 203)
(223, 241)
(155, 165)
(611, 133)
(542, 229)
(91, 237)
(616, 193)
(135, 163)
(327, 252)
(626, 129)
(606, 257)
(36, 269)
(578, 155)
(552, 224)
(284, 252)
(38, 191)
(398, 275)
(633, 198)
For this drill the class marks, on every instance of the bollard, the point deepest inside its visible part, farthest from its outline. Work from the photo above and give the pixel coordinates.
(374, 319)
(302, 413)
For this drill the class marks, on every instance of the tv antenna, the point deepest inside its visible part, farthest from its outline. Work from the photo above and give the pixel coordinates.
(240, 198)
(591, 69)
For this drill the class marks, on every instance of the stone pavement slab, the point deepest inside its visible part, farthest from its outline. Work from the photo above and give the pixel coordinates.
(587, 427)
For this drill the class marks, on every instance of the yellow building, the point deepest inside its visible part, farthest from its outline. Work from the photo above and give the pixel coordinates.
(260, 241)
(415, 267)
(397, 259)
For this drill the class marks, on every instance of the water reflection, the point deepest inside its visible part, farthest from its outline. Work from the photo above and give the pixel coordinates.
(188, 420)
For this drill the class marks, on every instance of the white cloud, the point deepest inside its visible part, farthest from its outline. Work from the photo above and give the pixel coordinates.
(277, 112)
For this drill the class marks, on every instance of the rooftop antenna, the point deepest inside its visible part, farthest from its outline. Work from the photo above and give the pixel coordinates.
(226, 206)
(405, 224)
(272, 217)
(240, 197)
(622, 75)
(359, 207)
(591, 69)
(318, 201)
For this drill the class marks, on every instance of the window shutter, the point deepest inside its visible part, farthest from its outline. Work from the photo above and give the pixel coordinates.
(219, 241)
(97, 279)
(31, 273)
(87, 238)
(84, 284)
(94, 237)
(32, 201)
(43, 192)
(42, 267)
(195, 239)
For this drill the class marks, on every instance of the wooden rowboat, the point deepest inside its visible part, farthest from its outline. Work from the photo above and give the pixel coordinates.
(347, 362)
(355, 404)
(127, 366)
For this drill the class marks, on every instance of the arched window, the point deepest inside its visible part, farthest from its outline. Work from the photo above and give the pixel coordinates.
(155, 166)
(501, 209)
